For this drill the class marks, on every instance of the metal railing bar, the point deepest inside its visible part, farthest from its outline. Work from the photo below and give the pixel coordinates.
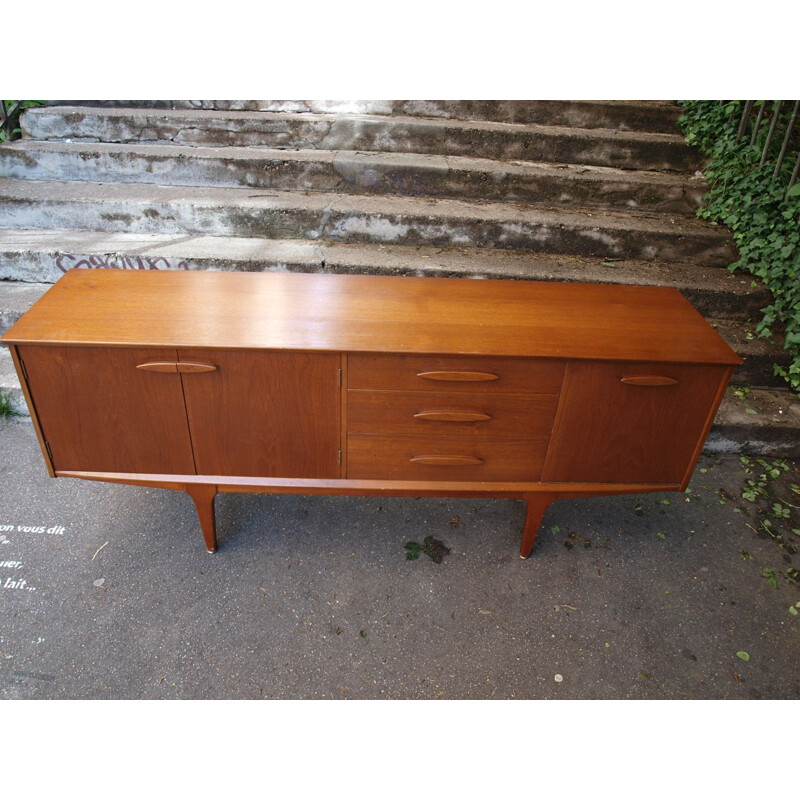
(748, 110)
(775, 116)
(794, 175)
(786, 139)
(758, 122)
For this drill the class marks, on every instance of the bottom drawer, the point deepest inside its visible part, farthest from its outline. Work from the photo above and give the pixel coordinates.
(444, 458)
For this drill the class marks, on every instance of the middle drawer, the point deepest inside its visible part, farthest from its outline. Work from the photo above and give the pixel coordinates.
(442, 413)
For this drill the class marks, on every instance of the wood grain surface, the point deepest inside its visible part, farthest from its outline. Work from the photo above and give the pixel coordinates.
(99, 412)
(366, 313)
(404, 372)
(263, 413)
(444, 458)
(609, 431)
(444, 413)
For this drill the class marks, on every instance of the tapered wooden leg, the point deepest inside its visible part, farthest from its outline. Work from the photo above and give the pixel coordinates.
(203, 496)
(537, 504)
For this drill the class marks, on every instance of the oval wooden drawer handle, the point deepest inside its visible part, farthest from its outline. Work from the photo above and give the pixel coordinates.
(176, 366)
(195, 366)
(447, 461)
(159, 366)
(452, 415)
(649, 380)
(458, 375)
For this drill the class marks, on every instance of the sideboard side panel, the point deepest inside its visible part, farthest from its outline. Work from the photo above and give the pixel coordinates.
(23, 382)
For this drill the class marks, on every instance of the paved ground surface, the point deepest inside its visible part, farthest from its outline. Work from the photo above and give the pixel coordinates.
(107, 592)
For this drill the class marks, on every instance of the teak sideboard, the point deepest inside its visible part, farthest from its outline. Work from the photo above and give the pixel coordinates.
(212, 382)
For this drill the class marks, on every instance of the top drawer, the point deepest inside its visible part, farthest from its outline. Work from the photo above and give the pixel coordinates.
(454, 373)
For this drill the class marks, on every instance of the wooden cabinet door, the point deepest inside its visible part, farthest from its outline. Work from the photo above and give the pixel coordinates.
(264, 413)
(100, 413)
(633, 423)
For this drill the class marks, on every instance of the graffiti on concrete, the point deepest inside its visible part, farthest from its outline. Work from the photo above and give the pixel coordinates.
(68, 261)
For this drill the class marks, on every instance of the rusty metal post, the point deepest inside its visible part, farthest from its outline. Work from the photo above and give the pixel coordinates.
(794, 175)
(748, 110)
(786, 139)
(758, 122)
(775, 116)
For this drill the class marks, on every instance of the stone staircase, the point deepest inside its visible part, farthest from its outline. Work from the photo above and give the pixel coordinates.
(575, 191)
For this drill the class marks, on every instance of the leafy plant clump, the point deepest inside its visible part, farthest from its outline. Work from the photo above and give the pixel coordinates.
(763, 217)
(433, 548)
(768, 490)
(6, 407)
(11, 111)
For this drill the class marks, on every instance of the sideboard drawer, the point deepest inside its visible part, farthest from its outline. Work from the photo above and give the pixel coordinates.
(454, 374)
(437, 413)
(444, 458)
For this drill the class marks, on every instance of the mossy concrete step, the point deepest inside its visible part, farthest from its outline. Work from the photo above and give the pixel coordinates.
(548, 143)
(44, 255)
(762, 422)
(636, 115)
(16, 298)
(140, 208)
(9, 384)
(412, 175)
(760, 355)
(642, 115)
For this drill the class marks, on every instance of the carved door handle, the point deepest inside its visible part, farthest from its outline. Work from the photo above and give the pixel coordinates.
(176, 366)
(457, 375)
(452, 415)
(159, 366)
(447, 461)
(195, 366)
(649, 380)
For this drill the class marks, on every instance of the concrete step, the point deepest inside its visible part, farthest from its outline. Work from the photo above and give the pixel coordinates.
(623, 115)
(140, 208)
(760, 355)
(642, 115)
(412, 175)
(548, 143)
(9, 383)
(44, 255)
(764, 422)
(16, 298)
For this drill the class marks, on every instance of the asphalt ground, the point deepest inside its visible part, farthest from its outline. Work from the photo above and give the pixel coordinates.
(108, 592)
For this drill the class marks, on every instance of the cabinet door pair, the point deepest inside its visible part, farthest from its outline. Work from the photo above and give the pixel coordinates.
(247, 413)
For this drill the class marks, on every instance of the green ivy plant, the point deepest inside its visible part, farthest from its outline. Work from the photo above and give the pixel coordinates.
(13, 108)
(433, 548)
(763, 217)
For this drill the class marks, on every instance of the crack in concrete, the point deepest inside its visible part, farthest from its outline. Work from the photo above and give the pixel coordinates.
(156, 246)
(319, 252)
(323, 224)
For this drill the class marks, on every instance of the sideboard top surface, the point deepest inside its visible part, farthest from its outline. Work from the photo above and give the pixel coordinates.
(370, 314)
